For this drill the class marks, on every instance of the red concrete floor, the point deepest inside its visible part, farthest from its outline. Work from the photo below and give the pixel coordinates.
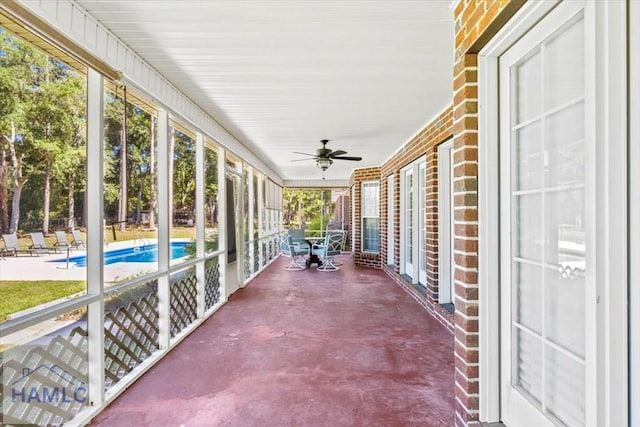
(308, 348)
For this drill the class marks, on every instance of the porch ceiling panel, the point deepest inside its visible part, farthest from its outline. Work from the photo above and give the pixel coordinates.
(281, 75)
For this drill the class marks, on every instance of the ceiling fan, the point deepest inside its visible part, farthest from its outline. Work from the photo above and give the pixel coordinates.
(324, 156)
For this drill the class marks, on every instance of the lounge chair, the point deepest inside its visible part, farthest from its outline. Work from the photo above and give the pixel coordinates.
(61, 240)
(11, 245)
(77, 239)
(39, 245)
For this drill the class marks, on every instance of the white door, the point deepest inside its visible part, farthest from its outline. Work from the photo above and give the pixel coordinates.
(235, 266)
(634, 226)
(408, 221)
(445, 223)
(390, 221)
(422, 221)
(547, 265)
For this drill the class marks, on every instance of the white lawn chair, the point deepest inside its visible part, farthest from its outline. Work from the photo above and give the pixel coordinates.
(77, 239)
(11, 245)
(39, 245)
(61, 240)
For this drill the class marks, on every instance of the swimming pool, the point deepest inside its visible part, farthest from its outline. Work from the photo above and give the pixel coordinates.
(146, 253)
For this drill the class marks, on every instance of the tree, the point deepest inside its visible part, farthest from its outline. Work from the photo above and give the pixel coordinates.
(303, 206)
(184, 173)
(211, 185)
(57, 118)
(21, 68)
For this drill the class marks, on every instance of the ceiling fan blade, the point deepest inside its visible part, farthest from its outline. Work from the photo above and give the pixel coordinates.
(304, 154)
(337, 153)
(302, 160)
(355, 159)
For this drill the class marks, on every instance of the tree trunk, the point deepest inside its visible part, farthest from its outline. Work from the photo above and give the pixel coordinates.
(15, 208)
(4, 190)
(212, 210)
(139, 206)
(71, 202)
(18, 181)
(152, 176)
(47, 196)
(122, 207)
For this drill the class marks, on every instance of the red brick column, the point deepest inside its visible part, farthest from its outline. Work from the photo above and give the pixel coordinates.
(476, 22)
(465, 200)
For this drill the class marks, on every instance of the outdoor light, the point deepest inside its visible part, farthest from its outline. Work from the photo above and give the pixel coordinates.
(324, 163)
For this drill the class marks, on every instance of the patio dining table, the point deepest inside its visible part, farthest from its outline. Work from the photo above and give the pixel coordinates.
(313, 258)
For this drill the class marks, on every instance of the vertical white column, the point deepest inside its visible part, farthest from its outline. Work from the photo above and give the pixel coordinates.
(95, 248)
(200, 249)
(222, 221)
(261, 232)
(250, 215)
(164, 228)
(634, 209)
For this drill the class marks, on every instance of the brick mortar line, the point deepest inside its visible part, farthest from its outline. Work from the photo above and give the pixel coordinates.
(462, 70)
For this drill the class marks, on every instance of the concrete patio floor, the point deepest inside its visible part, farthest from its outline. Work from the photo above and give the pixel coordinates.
(307, 348)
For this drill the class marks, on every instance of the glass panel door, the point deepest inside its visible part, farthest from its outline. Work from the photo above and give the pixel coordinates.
(546, 260)
(408, 222)
(422, 220)
(390, 220)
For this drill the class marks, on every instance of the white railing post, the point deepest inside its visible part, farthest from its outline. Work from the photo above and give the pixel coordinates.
(251, 196)
(164, 229)
(200, 234)
(222, 222)
(95, 234)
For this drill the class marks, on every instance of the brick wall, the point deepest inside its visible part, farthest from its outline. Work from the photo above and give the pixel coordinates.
(363, 259)
(425, 143)
(476, 22)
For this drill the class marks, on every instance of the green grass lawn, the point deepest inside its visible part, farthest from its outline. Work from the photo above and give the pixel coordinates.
(17, 295)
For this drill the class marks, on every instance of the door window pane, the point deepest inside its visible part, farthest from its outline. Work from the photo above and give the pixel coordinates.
(548, 220)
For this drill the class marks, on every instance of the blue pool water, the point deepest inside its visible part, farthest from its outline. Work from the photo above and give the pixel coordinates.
(146, 253)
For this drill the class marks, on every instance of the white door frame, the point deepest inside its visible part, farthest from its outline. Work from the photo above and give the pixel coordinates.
(421, 216)
(634, 210)
(390, 219)
(445, 223)
(609, 125)
(411, 267)
(406, 266)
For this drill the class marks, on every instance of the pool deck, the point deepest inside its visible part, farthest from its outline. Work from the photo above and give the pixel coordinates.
(25, 267)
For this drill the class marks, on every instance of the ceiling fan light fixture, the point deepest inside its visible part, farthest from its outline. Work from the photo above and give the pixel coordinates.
(324, 163)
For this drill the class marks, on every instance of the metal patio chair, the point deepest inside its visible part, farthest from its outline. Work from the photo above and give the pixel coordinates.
(294, 251)
(331, 248)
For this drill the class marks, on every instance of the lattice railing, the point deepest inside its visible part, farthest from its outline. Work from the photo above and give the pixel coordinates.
(183, 301)
(256, 256)
(45, 382)
(211, 283)
(247, 260)
(131, 334)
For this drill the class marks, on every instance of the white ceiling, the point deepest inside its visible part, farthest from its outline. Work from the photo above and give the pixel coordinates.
(282, 75)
